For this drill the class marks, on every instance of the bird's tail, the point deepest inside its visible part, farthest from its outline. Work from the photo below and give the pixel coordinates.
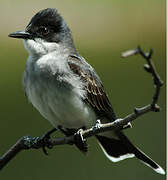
(118, 147)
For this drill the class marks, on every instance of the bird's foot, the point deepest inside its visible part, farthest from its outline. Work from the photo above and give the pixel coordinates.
(80, 142)
(128, 125)
(97, 125)
(44, 141)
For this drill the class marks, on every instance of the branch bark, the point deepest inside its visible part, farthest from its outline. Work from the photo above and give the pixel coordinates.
(28, 142)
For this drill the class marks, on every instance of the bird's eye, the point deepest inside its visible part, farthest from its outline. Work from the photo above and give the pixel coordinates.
(43, 30)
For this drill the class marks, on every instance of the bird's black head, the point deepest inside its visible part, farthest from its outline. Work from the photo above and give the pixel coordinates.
(47, 24)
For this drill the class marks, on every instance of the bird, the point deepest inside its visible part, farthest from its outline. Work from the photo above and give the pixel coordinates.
(66, 90)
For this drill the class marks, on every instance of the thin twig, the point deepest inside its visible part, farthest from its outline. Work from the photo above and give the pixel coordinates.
(28, 142)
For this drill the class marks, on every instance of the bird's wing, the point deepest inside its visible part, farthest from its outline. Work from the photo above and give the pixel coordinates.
(96, 96)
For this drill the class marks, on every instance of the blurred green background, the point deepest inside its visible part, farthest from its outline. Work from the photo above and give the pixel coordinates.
(101, 30)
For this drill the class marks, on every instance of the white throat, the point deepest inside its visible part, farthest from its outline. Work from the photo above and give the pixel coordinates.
(40, 47)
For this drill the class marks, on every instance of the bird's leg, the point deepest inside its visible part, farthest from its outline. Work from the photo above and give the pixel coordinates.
(65, 132)
(80, 142)
(44, 140)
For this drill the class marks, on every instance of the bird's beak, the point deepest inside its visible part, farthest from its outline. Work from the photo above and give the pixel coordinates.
(20, 35)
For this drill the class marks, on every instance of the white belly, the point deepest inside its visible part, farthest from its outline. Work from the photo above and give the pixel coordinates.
(59, 105)
(56, 92)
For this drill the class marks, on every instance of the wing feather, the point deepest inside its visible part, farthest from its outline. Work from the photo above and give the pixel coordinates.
(96, 96)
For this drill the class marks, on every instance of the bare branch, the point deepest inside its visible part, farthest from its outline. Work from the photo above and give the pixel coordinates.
(28, 142)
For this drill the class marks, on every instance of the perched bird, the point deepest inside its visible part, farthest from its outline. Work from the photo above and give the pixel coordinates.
(66, 90)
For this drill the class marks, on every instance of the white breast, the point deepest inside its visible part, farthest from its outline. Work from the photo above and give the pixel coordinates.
(57, 93)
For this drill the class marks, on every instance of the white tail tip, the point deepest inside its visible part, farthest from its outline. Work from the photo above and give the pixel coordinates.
(160, 170)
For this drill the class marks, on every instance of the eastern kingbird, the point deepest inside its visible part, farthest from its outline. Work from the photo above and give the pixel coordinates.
(65, 89)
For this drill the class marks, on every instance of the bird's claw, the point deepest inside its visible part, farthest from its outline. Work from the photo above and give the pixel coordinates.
(45, 141)
(80, 142)
(97, 125)
(128, 125)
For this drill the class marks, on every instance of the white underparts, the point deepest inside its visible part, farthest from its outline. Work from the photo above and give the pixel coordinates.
(53, 89)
